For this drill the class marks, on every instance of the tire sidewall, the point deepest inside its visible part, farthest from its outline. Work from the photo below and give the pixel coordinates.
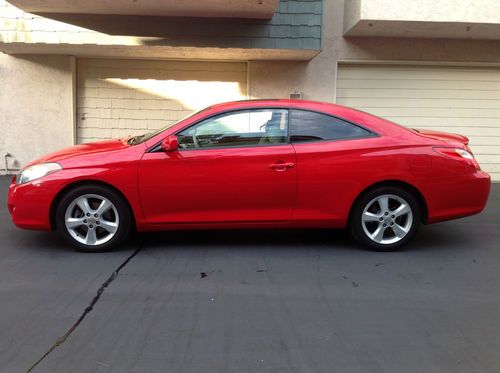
(120, 205)
(357, 225)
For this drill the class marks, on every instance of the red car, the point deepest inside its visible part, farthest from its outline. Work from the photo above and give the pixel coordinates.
(255, 164)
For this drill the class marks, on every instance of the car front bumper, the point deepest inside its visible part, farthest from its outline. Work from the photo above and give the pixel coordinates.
(29, 204)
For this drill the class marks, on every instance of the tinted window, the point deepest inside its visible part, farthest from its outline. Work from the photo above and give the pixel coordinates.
(312, 126)
(241, 128)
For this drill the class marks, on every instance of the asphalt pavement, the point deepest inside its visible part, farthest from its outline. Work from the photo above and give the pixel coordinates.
(253, 301)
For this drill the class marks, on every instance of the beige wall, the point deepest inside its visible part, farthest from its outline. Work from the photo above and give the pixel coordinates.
(36, 106)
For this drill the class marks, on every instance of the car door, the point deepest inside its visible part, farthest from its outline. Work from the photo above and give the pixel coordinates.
(233, 167)
(332, 162)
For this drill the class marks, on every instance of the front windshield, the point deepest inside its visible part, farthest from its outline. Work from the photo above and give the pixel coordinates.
(139, 139)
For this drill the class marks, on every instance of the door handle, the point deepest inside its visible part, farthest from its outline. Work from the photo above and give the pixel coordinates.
(281, 166)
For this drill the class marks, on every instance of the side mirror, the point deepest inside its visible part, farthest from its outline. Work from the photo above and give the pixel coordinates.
(170, 144)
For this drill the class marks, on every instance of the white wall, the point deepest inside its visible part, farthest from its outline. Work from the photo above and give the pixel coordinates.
(36, 106)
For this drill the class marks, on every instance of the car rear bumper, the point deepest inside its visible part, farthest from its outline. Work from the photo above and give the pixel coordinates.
(458, 197)
(29, 205)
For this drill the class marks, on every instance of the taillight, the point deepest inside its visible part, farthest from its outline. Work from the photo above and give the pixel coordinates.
(460, 155)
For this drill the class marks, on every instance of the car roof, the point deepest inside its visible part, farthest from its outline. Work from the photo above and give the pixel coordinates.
(375, 123)
(270, 102)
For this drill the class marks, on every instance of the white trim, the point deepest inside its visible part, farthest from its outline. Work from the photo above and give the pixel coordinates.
(336, 78)
(249, 91)
(74, 93)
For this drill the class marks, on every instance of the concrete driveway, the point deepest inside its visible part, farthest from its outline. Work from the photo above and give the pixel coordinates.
(253, 301)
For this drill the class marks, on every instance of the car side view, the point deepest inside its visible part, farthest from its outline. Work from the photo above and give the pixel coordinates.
(254, 164)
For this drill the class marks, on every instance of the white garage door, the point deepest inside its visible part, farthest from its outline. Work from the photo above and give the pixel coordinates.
(117, 98)
(455, 99)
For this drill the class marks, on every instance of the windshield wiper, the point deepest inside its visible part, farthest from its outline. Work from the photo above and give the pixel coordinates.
(134, 140)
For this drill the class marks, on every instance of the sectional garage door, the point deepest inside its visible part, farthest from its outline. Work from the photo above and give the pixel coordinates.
(117, 98)
(455, 99)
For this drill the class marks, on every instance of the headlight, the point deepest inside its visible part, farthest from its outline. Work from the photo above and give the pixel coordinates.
(36, 171)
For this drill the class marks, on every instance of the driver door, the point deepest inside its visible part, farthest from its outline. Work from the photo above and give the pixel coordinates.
(234, 167)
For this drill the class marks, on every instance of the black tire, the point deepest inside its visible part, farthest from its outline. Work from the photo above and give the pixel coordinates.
(359, 228)
(121, 209)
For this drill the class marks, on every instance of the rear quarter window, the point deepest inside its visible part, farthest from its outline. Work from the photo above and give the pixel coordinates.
(312, 126)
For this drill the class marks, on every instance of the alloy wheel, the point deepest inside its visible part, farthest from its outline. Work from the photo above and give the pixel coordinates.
(387, 219)
(91, 219)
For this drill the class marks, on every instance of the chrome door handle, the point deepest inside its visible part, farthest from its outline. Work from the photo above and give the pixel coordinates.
(281, 166)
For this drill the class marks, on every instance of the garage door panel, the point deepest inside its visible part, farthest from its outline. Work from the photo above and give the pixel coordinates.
(444, 112)
(467, 131)
(487, 149)
(418, 93)
(444, 121)
(451, 99)
(418, 84)
(411, 73)
(117, 98)
(486, 140)
(375, 102)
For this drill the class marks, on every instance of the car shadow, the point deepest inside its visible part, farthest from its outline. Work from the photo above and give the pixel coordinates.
(443, 236)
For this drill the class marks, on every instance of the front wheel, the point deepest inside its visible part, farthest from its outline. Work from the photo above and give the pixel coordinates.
(385, 219)
(93, 218)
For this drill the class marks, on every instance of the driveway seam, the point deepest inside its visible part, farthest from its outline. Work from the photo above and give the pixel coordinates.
(87, 310)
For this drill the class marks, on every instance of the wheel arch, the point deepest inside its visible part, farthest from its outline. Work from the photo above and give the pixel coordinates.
(399, 184)
(67, 188)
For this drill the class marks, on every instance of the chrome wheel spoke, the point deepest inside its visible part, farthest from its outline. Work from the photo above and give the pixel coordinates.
(403, 209)
(384, 203)
(108, 226)
(83, 204)
(73, 223)
(399, 231)
(378, 235)
(103, 207)
(369, 216)
(91, 237)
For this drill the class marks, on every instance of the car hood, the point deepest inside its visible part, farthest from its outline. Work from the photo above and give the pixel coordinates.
(82, 149)
(442, 135)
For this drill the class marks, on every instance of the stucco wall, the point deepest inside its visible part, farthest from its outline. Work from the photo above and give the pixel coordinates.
(36, 106)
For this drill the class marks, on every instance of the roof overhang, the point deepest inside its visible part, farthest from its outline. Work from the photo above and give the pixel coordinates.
(257, 9)
(444, 19)
(160, 52)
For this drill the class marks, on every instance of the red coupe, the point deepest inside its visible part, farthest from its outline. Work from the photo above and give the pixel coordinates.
(255, 164)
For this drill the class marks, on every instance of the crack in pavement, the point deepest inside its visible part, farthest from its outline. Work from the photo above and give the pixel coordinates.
(87, 310)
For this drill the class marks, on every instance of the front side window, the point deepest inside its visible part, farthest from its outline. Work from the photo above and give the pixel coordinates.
(241, 128)
(312, 126)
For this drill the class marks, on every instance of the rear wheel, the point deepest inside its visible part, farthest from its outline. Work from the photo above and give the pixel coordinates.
(93, 218)
(385, 219)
